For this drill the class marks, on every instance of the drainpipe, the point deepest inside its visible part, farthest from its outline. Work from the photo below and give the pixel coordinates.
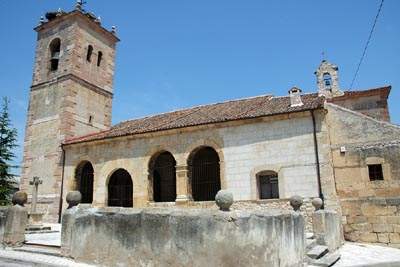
(62, 184)
(317, 156)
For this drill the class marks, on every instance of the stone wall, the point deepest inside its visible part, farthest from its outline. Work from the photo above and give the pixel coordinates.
(373, 104)
(283, 144)
(306, 209)
(73, 100)
(365, 141)
(369, 206)
(184, 237)
(327, 228)
(373, 220)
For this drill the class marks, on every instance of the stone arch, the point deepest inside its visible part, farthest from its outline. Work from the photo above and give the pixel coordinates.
(204, 173)
(105, 174)
(55, 52)
(84, 180)
(217, 144)
(120, 189)
(162, 177)
(89, 53)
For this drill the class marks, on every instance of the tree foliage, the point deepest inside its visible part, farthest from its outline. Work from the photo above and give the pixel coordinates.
(8, 139)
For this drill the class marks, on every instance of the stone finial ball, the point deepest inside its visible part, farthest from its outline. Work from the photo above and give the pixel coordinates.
(224, 199)
(296, 202)
(317, 203)
(20, 198)
(73, 198)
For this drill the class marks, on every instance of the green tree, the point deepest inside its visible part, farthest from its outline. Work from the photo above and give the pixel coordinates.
(8, 138)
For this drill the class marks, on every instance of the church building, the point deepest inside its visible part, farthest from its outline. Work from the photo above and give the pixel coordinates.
(335, 144)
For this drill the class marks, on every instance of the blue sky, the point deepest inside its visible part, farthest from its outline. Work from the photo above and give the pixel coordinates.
(180, 53)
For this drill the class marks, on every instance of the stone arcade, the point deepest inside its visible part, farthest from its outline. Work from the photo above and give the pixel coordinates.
(335, 144)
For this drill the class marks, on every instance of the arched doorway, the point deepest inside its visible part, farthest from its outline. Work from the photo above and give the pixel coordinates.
(84, 178)
(120, 189)
(205, 174)
(164, 178)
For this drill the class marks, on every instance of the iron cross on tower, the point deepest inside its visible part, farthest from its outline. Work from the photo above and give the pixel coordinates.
(35, 182)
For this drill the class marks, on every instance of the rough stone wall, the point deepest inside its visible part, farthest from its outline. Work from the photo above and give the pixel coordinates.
(188, 237)
(306, 209)
(375, 106)
(101, 76)
(366, 141)
(282, 143)
(66, 31)
(369, 213)
(373, 220)
(63, 105)
(75, 35)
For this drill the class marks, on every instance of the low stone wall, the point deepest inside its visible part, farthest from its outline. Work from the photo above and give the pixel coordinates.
(306, 209)
(372, 220)
(183, 237)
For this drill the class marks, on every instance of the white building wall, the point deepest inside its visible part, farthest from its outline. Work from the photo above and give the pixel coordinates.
(283, 144)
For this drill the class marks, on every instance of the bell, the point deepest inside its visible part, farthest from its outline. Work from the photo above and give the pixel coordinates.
(55, 55)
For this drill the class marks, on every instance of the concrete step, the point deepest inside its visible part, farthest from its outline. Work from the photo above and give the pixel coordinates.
(310, 243)
(44, 250)
(317, 252)
(326, 261)
(309, 235)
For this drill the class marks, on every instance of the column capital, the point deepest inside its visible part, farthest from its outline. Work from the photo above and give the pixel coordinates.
(181, 168)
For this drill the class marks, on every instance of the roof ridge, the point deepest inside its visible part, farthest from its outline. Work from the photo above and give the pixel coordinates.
(282, 96)
(194, 107)
(388, 86)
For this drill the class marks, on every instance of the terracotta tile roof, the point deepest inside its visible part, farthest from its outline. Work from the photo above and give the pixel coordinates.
(214, 113)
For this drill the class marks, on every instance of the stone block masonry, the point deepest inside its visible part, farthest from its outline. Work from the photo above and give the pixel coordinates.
(328, 229)
(372, 220)
(186, 237)
(74, 98)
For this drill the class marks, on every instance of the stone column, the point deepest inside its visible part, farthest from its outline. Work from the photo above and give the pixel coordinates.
(73, 198)
(16, 221)
(327, 226)
(183, 185)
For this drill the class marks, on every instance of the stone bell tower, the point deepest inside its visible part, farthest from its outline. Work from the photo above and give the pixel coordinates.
(71, 95)
(328, 79)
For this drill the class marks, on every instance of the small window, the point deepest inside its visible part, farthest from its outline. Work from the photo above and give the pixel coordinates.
(89, 53)
(268, 185)
(375, 172)
(99, 58)
(55, 47)
(327, 80)
(90, 121)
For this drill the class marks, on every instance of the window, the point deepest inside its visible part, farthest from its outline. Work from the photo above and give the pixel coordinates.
(268, 185)
(90, 120)
(327, 80)
(89, 53)
(55, 46)
(375, 172)
(99, 58)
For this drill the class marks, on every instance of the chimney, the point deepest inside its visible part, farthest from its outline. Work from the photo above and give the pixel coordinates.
(295, 97)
